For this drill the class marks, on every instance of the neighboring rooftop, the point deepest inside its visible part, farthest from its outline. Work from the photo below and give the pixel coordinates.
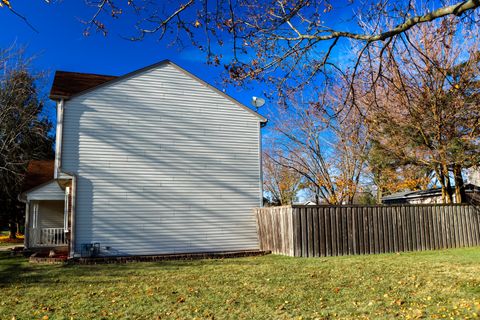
(403, 195)
(413, 194)
(66, 84)
(38, 172)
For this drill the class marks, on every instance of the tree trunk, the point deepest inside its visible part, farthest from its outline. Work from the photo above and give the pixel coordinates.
(460, 195)
(448, 185)
(12, 226)
(379, 195)
(448, 190)
(441, 179)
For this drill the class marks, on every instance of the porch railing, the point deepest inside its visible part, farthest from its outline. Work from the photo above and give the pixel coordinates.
(48, 237)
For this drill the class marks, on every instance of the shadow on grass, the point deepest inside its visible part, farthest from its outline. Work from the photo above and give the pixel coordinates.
(17, 270)
(14, 269)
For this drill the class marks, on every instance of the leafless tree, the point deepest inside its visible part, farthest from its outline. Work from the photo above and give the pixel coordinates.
(23, 131)
(281, 183)
(329, 153)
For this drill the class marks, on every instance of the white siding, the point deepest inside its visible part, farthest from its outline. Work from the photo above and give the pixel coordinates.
(48, 191)
(164, 164)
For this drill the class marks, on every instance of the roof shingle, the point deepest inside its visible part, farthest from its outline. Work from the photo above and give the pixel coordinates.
(38, 172)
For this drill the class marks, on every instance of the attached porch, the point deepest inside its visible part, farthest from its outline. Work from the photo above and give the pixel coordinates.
(47, 217)
(47, 227)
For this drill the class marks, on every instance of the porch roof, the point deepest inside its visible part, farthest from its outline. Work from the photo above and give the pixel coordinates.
(49, 190)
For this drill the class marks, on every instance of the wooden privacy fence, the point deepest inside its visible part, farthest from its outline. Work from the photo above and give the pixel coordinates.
(314, 231)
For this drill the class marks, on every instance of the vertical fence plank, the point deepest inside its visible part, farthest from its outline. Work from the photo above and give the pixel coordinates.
(466, 228)
(343, 218)
(426, 222)
(328, 232)
(315, 228)
(441, 225)
(388, 229)
(430, 227)
(297, 236)
(413, 218)
(433, 227)
(361, 243)
(309, 221)
(408, 217)
(338, 218)
(334, 234)
(475, 214)
(384, 230)
(470, 226)
(450, 224)
(438, 220)
(403, 221)
(370, 231)
(353, 227)
(375, 230)
(456, 227)
(395, 229)
(458, 216)
(322, 232)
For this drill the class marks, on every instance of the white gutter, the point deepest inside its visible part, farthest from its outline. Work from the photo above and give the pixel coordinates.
(58, 139)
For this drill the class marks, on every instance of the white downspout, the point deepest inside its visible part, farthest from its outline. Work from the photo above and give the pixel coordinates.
(26, 240)
(58, 139)
(58, 171)
(260, 155)
(73, 192)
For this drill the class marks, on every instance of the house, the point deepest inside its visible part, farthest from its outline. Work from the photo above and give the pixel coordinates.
(152, 162)
(473, 175)
(430, 196)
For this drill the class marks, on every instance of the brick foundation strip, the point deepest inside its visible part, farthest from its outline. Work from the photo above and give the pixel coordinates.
(148, 258)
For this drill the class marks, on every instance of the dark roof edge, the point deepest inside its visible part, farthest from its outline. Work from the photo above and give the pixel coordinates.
(57, 97)
(155, 65)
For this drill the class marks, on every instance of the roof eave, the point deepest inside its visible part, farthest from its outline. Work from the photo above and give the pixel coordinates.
(57, 98)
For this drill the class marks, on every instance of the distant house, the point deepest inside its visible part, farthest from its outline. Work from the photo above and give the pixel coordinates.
(473, 175)
(152, 162)
(430, 196)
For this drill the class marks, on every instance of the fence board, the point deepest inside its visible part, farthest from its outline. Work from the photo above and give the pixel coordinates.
(344, 231)
(352, 245)
(475, 214)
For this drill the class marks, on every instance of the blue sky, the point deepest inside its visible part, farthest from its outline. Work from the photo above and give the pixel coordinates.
(61, 45)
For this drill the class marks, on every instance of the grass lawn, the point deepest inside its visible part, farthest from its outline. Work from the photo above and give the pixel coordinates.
(6, 241)
(433, 284)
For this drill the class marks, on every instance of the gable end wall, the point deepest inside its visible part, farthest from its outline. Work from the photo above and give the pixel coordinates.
(164, 165)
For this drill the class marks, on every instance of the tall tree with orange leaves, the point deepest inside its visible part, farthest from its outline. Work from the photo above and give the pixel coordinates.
(421, 100)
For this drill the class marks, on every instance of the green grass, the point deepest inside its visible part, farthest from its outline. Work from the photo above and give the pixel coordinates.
(432, 284)
(5, 241)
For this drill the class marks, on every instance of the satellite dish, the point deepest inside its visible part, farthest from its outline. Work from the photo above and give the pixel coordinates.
(257, 102)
